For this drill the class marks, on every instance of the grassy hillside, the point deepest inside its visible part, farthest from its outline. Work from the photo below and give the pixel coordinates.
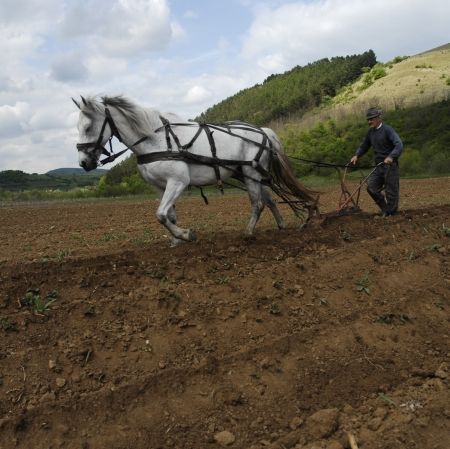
(405, 82)
(413, 92)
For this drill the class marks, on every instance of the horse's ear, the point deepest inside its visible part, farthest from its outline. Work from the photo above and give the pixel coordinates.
(84, 101)
(77, 104)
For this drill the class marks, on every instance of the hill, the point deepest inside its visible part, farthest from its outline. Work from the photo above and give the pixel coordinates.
(59, 179)
(293, 92)
(404, 82)
(77, 171)
(413, 92)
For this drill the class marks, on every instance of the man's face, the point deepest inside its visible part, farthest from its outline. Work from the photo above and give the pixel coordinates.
(374, 122)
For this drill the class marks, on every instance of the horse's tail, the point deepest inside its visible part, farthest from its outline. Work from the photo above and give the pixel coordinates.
(285, 184)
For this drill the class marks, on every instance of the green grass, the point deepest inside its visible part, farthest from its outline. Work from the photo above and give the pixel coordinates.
(33, 300)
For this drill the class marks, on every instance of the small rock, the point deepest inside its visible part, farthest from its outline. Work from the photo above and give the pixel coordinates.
(224, 438)
(380, 412)
(60, 382)
(442, 371)
(266, 363)
(323, 423)
(333, 444)
(63, 429)
(295, 423)
(52, 364)
(375, 423)
(48, 397)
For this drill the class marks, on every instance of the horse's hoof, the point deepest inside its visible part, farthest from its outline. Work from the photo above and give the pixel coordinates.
(249, 237)
(191, 236)
(175, 242)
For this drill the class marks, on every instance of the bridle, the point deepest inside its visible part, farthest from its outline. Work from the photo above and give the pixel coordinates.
(89, 147)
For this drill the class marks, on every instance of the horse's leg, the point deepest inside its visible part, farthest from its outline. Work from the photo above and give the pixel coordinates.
(272, 205)
(257, 202)
(165, 210)
(172, 216)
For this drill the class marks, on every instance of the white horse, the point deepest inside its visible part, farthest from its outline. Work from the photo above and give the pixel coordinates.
(173, 154)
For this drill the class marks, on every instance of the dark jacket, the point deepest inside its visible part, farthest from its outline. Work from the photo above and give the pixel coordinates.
(385, 142)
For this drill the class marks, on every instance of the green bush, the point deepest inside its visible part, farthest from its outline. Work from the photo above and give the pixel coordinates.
(440, 164)
(378, 72)
(411, 162)
(129, 185)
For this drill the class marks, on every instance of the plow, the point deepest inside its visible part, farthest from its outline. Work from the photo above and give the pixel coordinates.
(348, 199)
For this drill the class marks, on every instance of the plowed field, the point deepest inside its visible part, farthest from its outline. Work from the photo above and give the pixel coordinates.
(333, 336)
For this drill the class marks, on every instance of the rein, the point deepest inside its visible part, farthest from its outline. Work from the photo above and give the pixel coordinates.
(327, 164)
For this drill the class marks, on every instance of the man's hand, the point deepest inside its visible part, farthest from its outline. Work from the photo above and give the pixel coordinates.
(354, 160)
(388, 160)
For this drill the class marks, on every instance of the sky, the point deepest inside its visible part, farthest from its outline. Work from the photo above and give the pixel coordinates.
(182, 56)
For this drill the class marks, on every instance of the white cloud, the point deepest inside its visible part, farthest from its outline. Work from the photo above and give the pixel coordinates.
(47, 118)
(197, 94)
(121, 27)
(13, 119)
(16, 44)
(298, 33)
(68, 67)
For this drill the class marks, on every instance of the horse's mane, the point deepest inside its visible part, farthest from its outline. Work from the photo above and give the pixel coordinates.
(138, 118)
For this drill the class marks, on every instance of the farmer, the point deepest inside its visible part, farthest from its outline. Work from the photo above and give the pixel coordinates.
(387, 147)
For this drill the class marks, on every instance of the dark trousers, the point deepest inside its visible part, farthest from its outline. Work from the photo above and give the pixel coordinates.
(385, 177)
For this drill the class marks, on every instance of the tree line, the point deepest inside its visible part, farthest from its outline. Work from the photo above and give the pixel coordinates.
(16, 180)
(293, 92)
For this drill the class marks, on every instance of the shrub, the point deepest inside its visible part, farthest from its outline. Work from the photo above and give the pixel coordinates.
(440, 164)
(398, 59)
(378, 72)
(411, 162)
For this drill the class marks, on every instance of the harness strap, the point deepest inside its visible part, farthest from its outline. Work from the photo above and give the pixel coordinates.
(112, 125)
(212, 144)
(189, 144)
(186, 156)
(169, 132)
(226, 127)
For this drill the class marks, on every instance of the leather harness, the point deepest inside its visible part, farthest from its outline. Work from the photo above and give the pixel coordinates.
(208, 128)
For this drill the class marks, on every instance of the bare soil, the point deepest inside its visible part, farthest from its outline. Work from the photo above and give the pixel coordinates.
(332, 336)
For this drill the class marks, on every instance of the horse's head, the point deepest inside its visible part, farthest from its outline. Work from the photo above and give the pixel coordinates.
(94, 130)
